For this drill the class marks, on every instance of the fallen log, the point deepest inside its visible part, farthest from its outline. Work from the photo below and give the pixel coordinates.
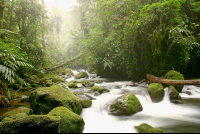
(154, 79)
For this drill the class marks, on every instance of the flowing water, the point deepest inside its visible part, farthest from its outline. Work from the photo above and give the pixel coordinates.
(180, 117)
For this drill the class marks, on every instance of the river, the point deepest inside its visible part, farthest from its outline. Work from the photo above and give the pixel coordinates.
(180, 117)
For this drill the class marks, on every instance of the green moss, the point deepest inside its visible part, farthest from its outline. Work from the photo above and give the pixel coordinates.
(86, 103)
(146, 128)
(70, 122)
(57, 79)
(33, 124)
(48, 83)
(101, 90)
(156, 92)
(95, 88)
(174, 75)
(133, 104)
(25, 110)
(87, 84)
(174, 94)
(43, 100)
(81, 75)
(126, 105)
(15, 116)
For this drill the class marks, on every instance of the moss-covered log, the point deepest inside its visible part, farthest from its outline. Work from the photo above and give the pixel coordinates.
(154, 79)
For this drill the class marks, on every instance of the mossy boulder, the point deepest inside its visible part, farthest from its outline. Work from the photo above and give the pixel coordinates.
(43, 100)
(173, 93)
(66, 71)
(95, 88)
(80, 84)
(174, 75)
(146, 128)
(101, 90)
(86, 103)
(70, 122)
(127, 104)
(15, 117)
(32, 124)
(156, 92)
(18, 110)
(81, 75)
(57, 79)
(87, 83)
(75, 84)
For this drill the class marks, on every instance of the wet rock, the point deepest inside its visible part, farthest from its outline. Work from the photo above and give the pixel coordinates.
(127, 104)
(146, 128)
(187, 92)
(67, 72)
(80, 84)
(43, 100)
(70, 122)
(156, 92)
(95, 88)
(10, 114)
(173, 93)
(102, 90)
(57, 79)
(131, 83)
(33, 124)
(81, 75)
(98, 81)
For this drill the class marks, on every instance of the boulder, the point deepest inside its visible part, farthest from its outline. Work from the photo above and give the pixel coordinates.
(95, 88)
(87, 83)
(156, 92)
(146, 128)
(81, 75)
(43, 100)
(174, 75)
(15, 117)
(57, 79)
(80, 84)
(69, 122)
(86, 103)
(67, 71)
(173, 93)
(101, 90)
(18, 110)
(31, 124)
(127, 104)
(75, 84)
(98, 81)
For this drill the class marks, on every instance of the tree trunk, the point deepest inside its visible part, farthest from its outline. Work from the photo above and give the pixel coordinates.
(10, 25)
(163, 81)
(1, 15)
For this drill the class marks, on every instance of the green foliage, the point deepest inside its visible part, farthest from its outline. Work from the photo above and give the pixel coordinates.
(140, 37)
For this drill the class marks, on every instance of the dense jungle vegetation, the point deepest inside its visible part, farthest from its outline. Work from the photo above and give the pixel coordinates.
(120, 38)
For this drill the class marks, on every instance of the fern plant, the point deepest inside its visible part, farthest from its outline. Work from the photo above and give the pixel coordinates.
(9, 64)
